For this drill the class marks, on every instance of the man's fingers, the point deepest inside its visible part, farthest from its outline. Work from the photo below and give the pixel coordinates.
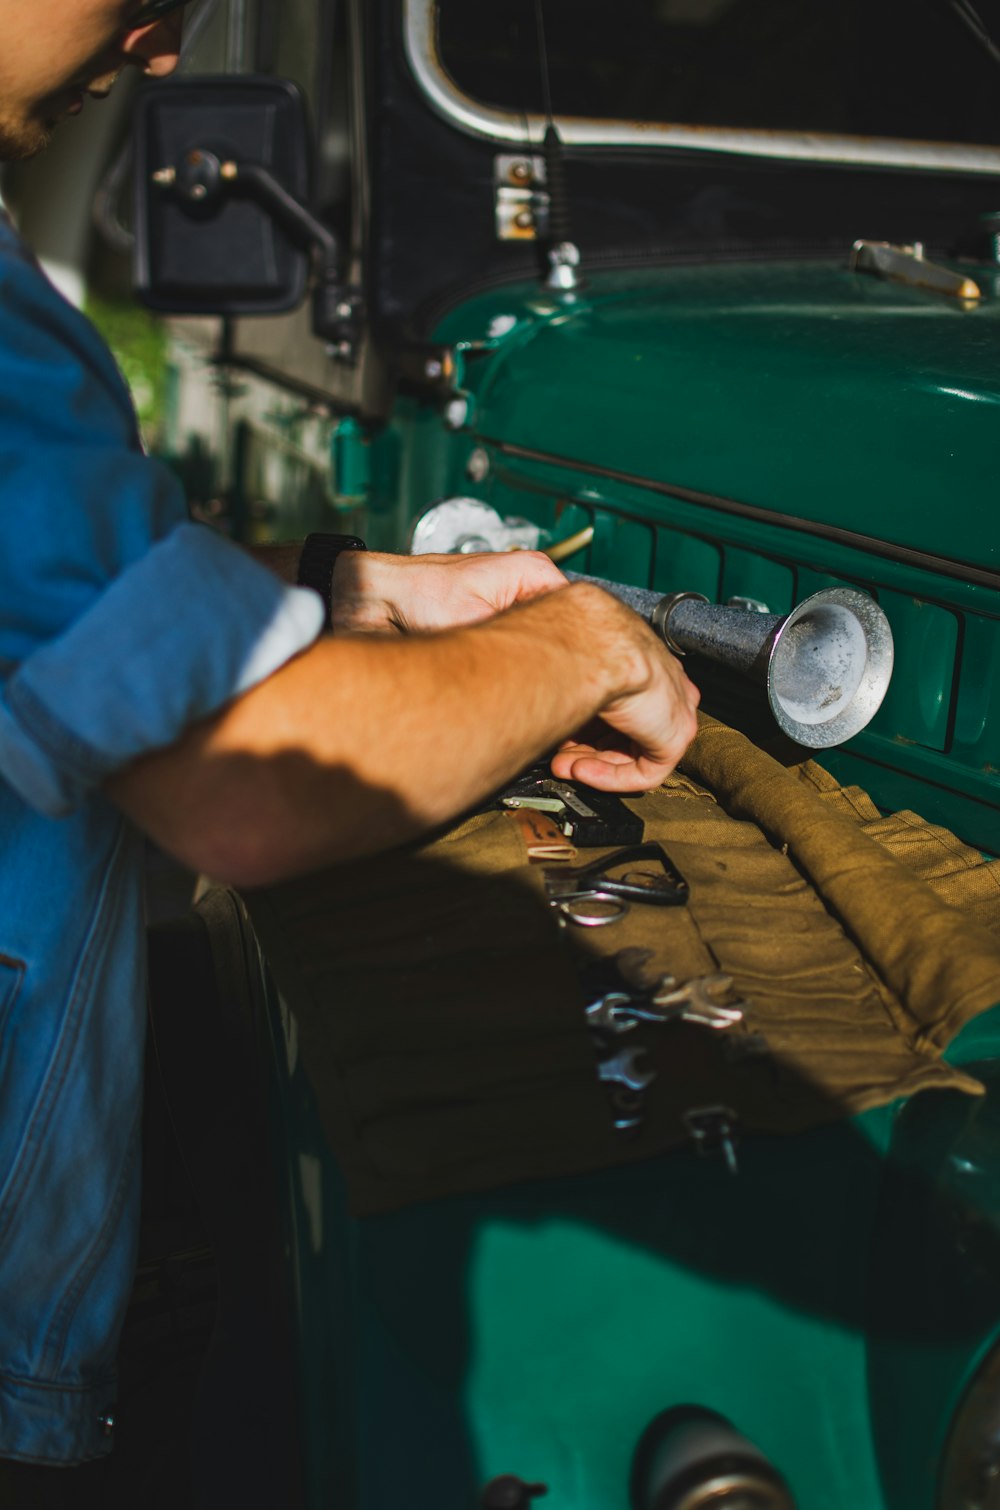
(515, 577)
(432, 592)
(613, 754)
(641, 743)
(625, 773)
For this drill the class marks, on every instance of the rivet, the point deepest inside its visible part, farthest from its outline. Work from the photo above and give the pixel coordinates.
(456, 412)
(500, 325)
(478, 464)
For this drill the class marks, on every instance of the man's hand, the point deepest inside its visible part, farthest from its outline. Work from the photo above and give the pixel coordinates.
(642, 733)
(377, 593)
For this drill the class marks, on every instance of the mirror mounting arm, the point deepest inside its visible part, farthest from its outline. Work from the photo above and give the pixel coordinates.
(203, 180)
(335, 313)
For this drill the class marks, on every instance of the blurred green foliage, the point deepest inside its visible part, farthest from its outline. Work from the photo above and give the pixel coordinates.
(138, 341)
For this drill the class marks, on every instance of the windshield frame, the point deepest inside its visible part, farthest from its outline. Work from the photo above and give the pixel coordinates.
(520, 129)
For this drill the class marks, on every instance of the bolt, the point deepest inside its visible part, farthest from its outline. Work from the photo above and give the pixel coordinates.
(198, 191)
(524, 220)
(478, 465)
(500, 325)
(563, 261)
(456, 413)
(520, 172)
(433, 369)
(344, 310)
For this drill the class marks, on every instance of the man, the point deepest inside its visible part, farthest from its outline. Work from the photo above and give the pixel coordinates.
(156, 679)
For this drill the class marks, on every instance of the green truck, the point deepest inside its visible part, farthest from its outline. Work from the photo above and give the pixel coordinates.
(701, 295)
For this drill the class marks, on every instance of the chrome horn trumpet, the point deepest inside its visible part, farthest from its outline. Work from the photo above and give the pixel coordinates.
(826, 665)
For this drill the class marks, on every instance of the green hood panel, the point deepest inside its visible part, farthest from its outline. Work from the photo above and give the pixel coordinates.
(804, 389)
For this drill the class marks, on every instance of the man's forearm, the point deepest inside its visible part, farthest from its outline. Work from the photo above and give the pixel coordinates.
(361, 743)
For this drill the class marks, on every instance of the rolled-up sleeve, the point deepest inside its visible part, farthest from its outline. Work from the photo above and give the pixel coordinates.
(189, 626)
(121, 623)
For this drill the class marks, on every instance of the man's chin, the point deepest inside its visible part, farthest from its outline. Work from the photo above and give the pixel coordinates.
(23, 140)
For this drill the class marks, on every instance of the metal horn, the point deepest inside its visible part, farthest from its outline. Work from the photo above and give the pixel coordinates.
(826, 665)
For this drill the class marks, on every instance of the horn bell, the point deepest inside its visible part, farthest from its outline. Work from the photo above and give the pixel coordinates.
(830, 667)
(827, 664)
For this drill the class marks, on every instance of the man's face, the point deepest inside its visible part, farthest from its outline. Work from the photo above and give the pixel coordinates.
(55, 52)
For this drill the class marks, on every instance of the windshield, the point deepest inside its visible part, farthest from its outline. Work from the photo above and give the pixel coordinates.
(904, 69)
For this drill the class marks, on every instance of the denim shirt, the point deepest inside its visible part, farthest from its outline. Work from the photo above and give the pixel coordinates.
(120, 624)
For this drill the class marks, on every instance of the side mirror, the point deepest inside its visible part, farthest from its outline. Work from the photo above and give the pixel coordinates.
(221, 223)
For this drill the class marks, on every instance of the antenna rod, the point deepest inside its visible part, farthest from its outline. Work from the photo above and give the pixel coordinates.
(543, 63)
(562, 253)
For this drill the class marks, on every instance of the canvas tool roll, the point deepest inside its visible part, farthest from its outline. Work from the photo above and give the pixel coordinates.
(440, 1009)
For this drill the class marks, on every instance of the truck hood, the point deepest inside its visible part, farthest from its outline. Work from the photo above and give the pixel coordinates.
(802, 389)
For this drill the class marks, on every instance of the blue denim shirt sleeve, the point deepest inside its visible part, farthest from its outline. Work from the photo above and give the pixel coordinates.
(120, 622)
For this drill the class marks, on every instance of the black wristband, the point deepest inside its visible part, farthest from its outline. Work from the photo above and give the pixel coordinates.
(318, 558)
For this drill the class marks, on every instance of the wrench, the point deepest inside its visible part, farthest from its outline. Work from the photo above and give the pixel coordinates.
(621, 1069)
(610, 1013)
(697, 1000)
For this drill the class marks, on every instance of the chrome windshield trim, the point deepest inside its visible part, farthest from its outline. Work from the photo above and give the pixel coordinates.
(522, 130)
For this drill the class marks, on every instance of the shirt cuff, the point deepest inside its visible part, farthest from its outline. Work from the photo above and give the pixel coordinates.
(193, 624)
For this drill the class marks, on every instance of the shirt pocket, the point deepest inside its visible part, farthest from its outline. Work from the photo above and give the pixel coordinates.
(11, 976)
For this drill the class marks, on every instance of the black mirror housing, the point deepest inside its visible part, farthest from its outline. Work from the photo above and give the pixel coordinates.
(198, 252)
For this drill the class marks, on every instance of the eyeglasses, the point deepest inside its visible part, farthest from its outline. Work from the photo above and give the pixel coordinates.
(154, 10)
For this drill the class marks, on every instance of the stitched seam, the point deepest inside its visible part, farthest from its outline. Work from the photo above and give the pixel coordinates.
(7, 1002)
(952, 845)
(65, 748)
(54, 1346)
(38, 1122)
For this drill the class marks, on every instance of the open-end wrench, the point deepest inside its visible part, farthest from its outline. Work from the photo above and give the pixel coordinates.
(611, 1013)
(621, 1069)
(697, 1000)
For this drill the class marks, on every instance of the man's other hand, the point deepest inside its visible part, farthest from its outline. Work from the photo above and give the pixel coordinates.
(642, 732)
(377, 593)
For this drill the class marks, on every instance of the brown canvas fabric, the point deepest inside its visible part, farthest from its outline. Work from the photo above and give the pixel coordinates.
(439, 1004)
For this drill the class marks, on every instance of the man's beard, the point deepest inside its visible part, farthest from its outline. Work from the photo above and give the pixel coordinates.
(24, 138)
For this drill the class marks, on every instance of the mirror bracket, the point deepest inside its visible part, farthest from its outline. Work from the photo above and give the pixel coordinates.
(200, 179)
